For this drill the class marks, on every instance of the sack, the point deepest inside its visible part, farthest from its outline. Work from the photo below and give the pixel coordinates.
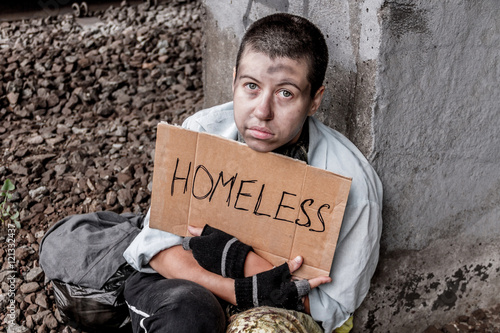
(83, 257)
(95, 310)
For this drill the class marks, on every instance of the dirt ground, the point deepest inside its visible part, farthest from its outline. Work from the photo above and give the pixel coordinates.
(80, 99)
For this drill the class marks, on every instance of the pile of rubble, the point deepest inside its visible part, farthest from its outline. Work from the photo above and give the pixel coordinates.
(79, 102)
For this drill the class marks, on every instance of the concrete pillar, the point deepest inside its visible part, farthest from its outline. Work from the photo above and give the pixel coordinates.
(436, 145)
(414, 84)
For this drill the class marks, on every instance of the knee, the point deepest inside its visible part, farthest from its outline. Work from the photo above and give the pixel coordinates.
(197, 308)
(189, 296)
(178, 306)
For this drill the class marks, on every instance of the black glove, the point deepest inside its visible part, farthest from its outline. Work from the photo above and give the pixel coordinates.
(272, 288)
(218, 252)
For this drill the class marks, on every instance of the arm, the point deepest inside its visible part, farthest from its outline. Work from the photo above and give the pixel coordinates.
(147, 244)
(255, 264)
(155, 250)
(175, 263)
(153, 247)
(217, 240)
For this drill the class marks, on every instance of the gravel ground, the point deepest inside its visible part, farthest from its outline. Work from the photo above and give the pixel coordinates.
(79, 102)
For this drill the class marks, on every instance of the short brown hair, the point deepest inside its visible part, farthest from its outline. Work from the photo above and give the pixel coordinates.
(289, 36)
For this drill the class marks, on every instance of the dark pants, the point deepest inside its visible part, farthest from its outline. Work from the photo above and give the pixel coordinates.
(162, 305)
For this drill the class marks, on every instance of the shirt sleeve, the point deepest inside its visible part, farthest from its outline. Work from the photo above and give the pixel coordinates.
(147, 244)
(354, 263)
(326, 310)
(216, 120)
(149, 241)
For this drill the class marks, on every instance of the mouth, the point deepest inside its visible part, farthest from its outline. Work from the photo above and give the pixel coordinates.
(261, 133)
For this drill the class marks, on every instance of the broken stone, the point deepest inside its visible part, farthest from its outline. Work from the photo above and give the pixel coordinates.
(60, 169)
(15, 328)
(124, 197)
(34, 274)
(111, 198)
(479, 314)
(37, 192)
(38, 208)
(41, 300)
(23, 252)
(105, 110)
(50, 321)
(30, 287)
(83, 107)
(36, 140)
(13, 97)
(38, 317)
(32, 309)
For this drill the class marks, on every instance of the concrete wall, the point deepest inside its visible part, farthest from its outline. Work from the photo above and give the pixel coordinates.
(414, 84)
(437, 123)
(436, 140)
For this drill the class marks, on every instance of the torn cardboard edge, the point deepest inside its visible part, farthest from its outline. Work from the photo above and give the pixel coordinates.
(280, 206)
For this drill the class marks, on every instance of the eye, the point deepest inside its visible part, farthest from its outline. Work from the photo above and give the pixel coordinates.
(285, 93)
(251, 86)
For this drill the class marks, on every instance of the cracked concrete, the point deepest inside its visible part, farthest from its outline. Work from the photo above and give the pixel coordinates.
(416, 289)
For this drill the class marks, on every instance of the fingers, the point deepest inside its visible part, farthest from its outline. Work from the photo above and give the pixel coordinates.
(295, 264)
(195, 231)
(314, 282)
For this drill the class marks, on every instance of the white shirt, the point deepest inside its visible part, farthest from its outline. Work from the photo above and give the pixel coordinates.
(357, 251)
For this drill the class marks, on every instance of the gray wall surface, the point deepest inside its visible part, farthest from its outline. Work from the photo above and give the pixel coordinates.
(414, 84)
(437, 125)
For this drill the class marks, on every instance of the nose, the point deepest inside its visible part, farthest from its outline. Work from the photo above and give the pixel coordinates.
(264, 108)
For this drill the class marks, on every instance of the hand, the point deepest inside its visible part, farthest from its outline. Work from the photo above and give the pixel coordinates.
(276, 288)
(217, 251)
(195, 231)
(295, 264)
(314, 282)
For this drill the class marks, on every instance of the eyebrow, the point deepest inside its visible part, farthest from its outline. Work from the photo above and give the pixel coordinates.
(282, 83)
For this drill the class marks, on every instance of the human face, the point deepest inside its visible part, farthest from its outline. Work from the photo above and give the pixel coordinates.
(272, 100)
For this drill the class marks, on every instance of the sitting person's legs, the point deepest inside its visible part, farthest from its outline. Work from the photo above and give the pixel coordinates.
(157, 304)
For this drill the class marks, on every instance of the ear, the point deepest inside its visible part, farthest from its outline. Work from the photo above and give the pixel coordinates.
(316, 101)
(234, 77)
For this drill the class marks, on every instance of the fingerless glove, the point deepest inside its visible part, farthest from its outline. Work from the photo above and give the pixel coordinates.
(218, 252)
(272, 288)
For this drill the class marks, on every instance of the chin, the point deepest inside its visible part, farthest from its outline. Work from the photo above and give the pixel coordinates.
(261, 148)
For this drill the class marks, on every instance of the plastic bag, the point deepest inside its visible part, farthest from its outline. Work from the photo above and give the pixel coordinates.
(346, 327)
(95, 310)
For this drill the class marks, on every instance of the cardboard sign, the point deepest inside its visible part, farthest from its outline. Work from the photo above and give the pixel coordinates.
(280, 206)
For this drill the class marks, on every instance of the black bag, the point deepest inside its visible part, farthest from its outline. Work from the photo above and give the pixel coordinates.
(83, 257)
(95, 310)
